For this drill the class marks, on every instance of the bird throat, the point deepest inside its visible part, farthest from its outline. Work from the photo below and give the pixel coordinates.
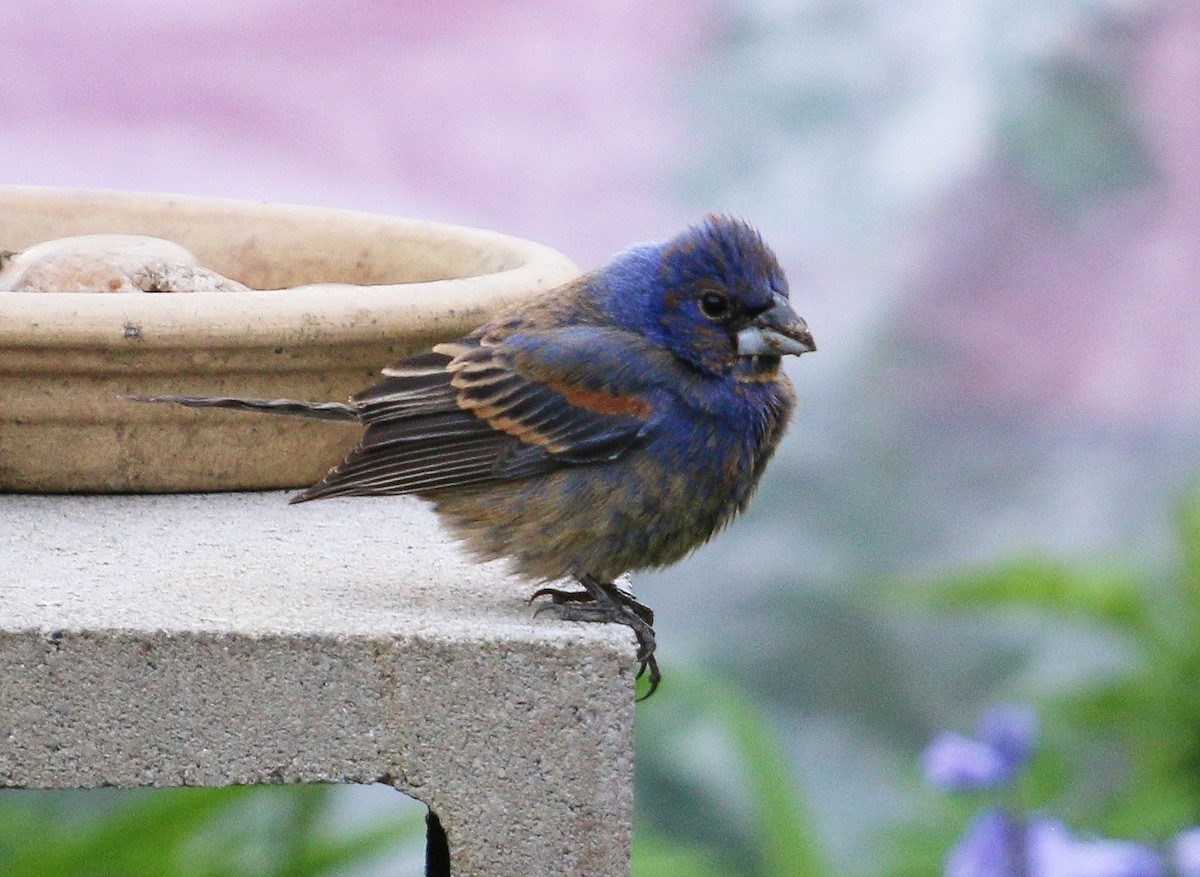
(756, 369)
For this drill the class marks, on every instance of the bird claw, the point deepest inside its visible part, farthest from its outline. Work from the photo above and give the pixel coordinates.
(559, 597)
(565, 605)
(655, 677)
(605, 602)
(642, 611)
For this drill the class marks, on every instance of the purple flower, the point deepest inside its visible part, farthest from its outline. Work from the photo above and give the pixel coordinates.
(1186, 853)
(1011, 730)
(1051, 851)
(1003, 742)
(990, 847)
(998, 844)
(960, 763)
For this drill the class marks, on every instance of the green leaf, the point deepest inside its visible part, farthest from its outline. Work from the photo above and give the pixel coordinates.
(139, 839)
(785, 839)
(1105, 594)
(1188, 529)
(655, 856)
(188, 833)
(338, 854)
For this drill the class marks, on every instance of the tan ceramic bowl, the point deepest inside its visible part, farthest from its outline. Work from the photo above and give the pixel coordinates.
(66, 359)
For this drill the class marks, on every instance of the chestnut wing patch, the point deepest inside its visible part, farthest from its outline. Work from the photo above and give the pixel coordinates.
(461, 414)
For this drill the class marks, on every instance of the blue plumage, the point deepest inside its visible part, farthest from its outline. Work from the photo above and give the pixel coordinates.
(613, 424)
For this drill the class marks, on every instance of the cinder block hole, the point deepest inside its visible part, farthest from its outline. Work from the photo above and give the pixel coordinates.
(320, 830)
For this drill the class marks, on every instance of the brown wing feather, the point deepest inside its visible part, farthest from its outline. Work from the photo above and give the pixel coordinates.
(461, 414)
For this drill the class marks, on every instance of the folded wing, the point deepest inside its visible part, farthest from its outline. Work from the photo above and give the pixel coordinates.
(467, 413)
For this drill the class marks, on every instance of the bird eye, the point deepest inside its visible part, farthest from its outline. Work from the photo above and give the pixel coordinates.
(714, 305)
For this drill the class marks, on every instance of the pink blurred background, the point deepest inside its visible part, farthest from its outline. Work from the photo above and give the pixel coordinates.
(552, 123)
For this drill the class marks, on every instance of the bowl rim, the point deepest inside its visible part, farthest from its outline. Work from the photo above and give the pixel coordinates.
(320, 313)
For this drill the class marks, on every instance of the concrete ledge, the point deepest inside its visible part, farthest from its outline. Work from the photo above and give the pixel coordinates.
(220, 639)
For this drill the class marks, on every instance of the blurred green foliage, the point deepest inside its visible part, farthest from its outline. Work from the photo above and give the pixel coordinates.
(273, 831)
(1121, 753)
(777, 839)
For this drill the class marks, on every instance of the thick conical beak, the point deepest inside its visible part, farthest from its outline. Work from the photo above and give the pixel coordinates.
(777, 331)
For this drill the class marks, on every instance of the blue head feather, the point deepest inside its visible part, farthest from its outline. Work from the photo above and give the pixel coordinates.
(657, 289)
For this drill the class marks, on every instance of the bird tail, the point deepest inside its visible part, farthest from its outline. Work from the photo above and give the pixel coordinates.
(288, 407)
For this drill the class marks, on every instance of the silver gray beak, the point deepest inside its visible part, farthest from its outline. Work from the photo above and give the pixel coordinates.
(777, 331)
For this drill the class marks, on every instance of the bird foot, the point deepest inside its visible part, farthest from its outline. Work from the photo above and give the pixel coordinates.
(605, 602)
(559, 601)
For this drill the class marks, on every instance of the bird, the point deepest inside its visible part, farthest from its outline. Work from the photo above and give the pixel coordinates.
(610, 425)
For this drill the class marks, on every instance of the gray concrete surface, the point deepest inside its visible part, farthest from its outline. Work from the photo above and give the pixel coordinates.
(219, 639)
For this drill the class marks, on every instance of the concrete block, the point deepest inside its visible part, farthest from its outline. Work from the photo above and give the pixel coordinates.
(217, 639)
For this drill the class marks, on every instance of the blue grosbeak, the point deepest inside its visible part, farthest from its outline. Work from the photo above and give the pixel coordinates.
(613, 424)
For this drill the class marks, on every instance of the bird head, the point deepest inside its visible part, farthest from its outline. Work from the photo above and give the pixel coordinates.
(717, 298)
